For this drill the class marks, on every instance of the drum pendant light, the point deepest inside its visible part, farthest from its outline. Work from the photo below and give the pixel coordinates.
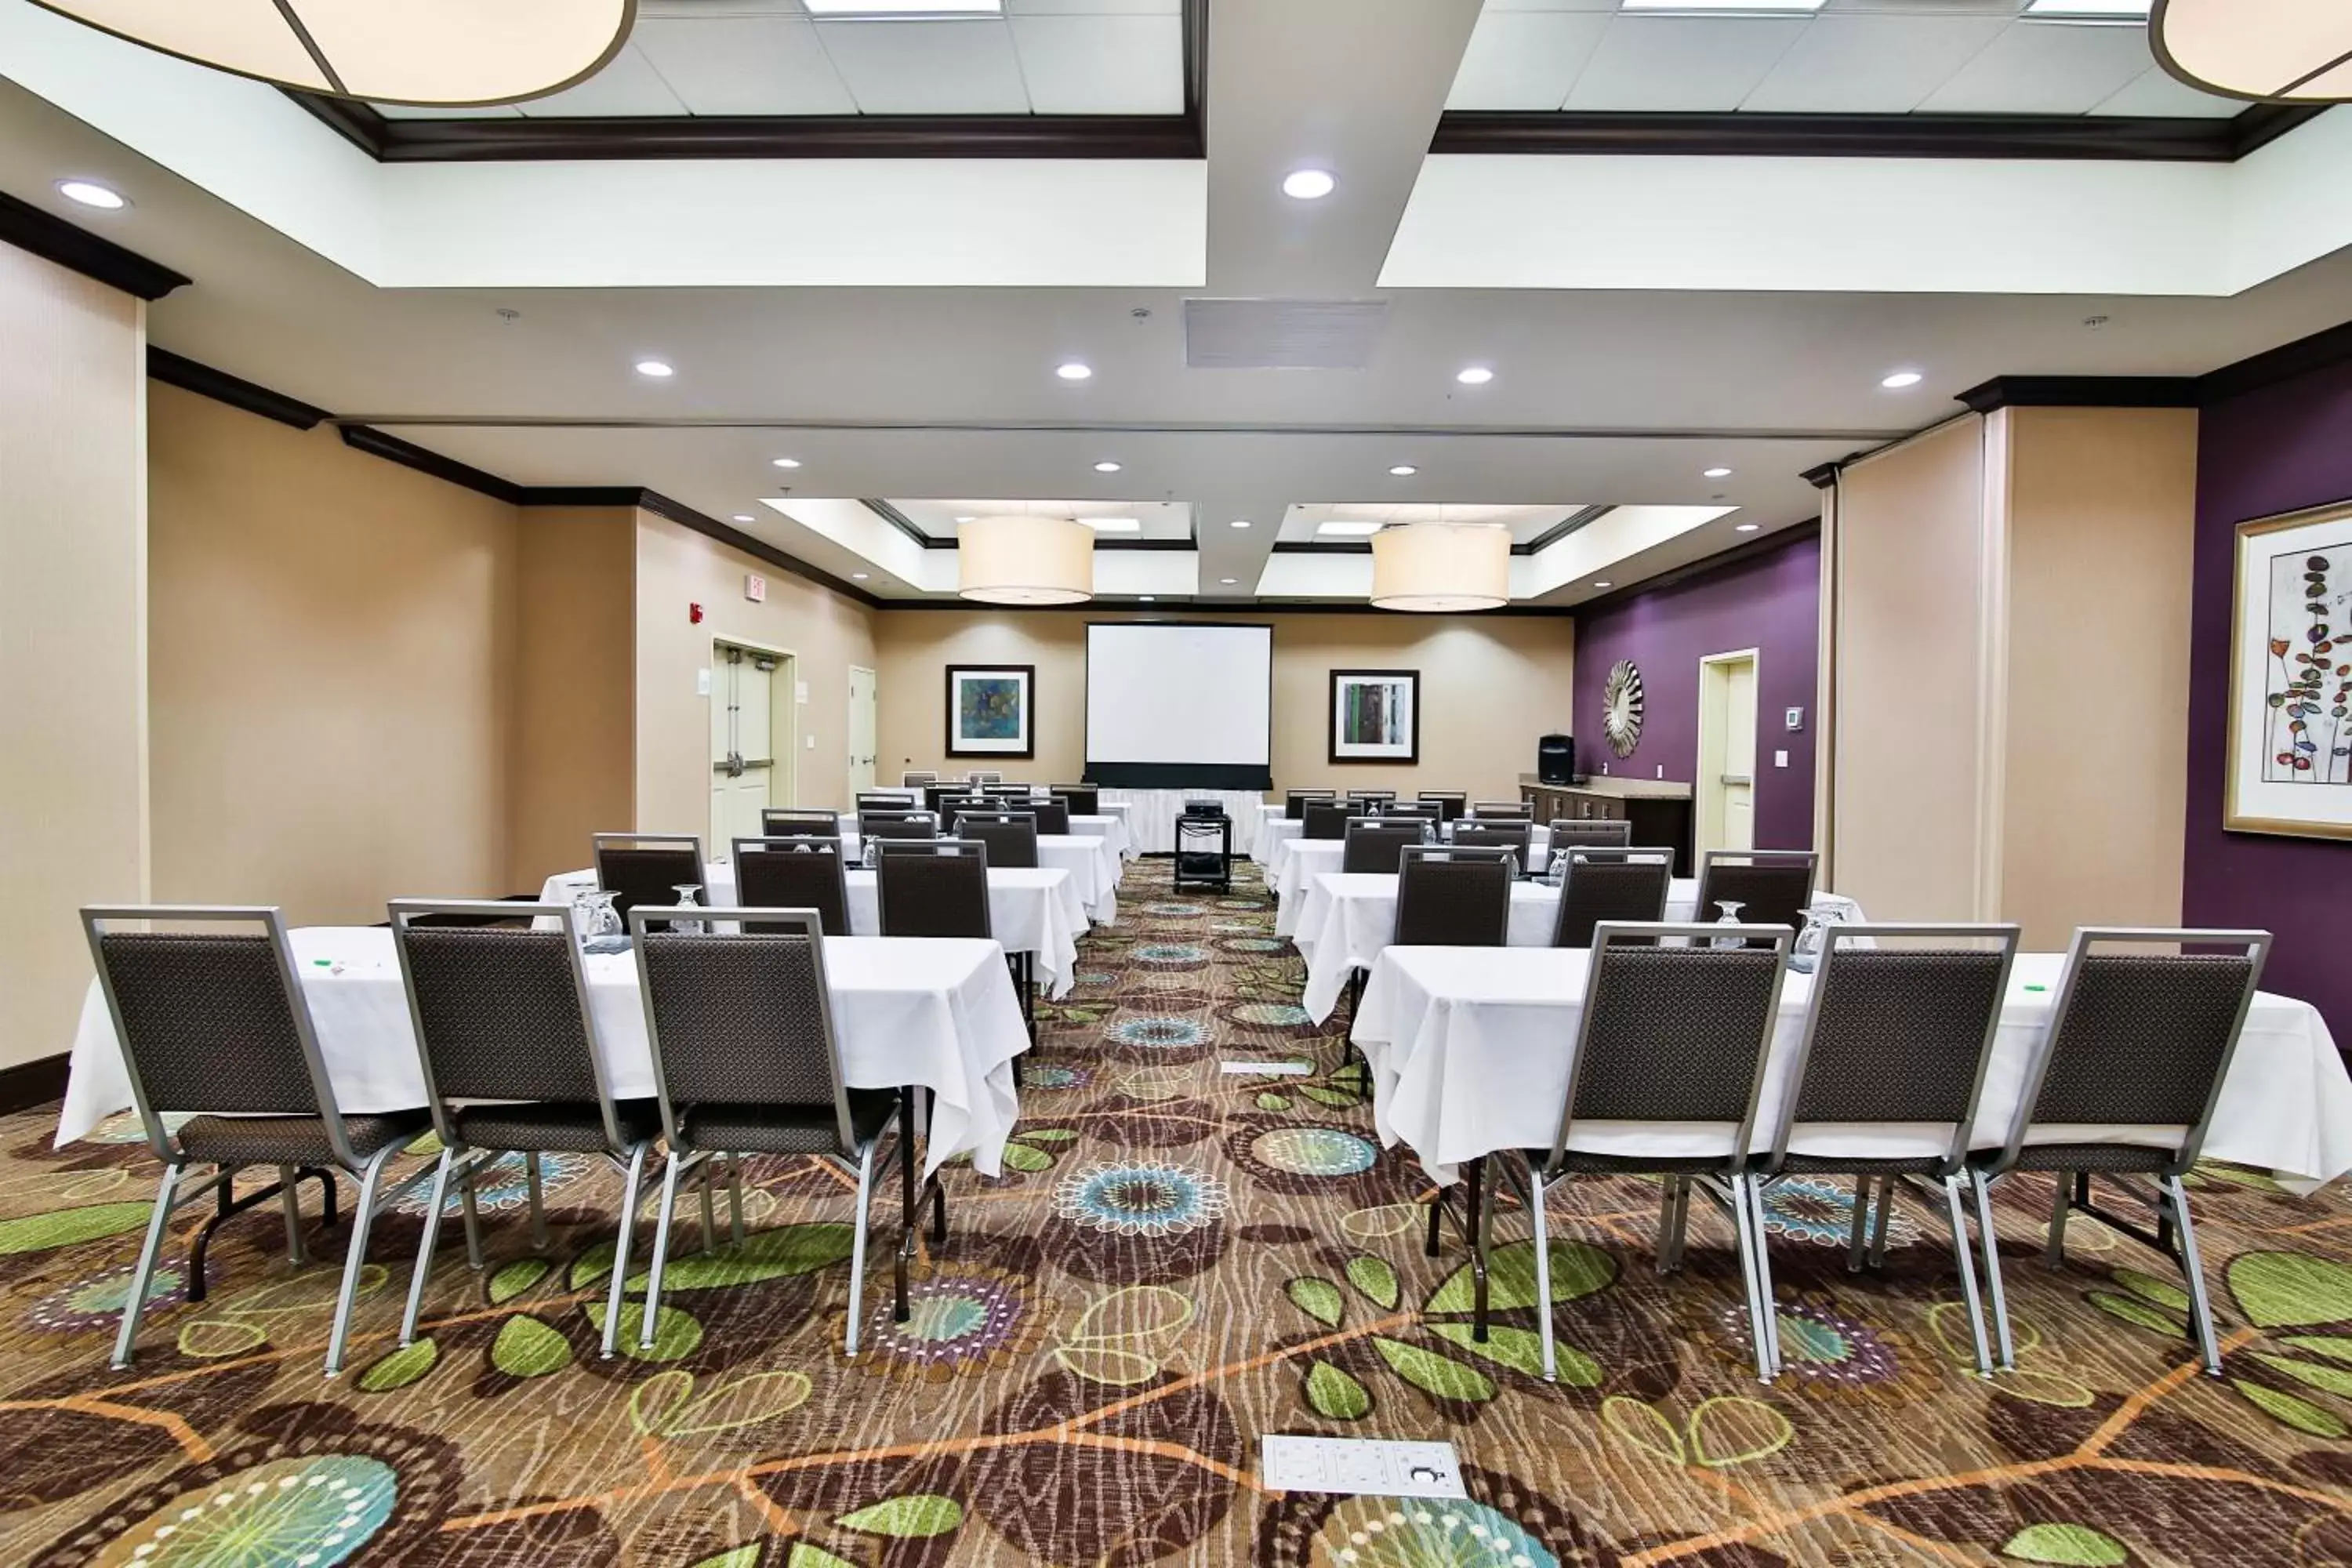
(438, 52)
(2289, 51)
(1441, 567)
(1025, 561)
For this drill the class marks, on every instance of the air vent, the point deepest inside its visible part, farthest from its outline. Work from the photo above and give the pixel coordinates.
(1282, 334)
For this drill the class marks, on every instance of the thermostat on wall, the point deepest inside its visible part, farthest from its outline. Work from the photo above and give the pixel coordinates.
(1796, 717)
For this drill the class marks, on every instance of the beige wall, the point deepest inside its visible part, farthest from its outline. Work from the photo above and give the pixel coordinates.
(825, 633)
(73, 654)
(573, 760)
(332, 639)
(1489, 686)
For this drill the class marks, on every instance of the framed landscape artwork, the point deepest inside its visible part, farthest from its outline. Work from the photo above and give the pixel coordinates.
(2290, 751)
(991, 709)
(1376, 715)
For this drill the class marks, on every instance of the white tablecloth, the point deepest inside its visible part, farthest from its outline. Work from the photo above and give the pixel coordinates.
(1094, 866)
(1470, 1050)
(936, 1012)
(1034, 911)
(1151, 815)
(1292, 863)
(1345, 920)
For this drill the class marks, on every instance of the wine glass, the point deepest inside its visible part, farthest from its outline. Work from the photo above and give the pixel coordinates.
(1730, 917)
(686, 900)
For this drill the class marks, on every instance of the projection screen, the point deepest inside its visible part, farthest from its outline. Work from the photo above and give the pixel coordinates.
(1178, 705)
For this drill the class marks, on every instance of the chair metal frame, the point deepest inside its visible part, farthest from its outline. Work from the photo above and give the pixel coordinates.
(599, 841)
(369, 1172)
(1609, 855)
(1295, 802)
(1502, 810)
(779, 846)
(2169, 1200)
(462, 1163)
(1000, 818)
(783, 822)
(867, 820)
(1416, 853)
(1451, 803)
(1569, 832)
(1421, 828)
(1810, 859)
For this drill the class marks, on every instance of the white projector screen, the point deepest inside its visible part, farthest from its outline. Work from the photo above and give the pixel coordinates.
(1174, 705)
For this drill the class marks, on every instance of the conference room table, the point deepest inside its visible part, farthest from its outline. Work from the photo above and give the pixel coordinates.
(1095, 868)
(1110, 827)
(1346, 918)
(1296, 861)
(1036, 912)
(1470, 1050)
(935, 1012)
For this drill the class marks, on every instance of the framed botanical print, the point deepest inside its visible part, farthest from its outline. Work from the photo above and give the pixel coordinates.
(991, 711)
(1376, 715)
(2290, 738)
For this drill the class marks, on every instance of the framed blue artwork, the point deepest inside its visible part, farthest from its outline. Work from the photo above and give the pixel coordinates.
(991, 710)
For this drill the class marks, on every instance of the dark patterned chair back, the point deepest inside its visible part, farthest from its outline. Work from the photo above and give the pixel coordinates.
(952, 809)
(774, 824)
(984, 776)
(1516, 836)
(918, 824)
(917, 780)
(939, 888)
(500, 1012)
(883, 800)
(1772, 886)
(1901, 1031)
(1368, 802)
(739, 1020)
(204, 1016)
(1416, 810)
(1449, 897)
(644, 870)
(1605, 832)
(1450, 804)
(1082, 800)
(1374, 844)
(2144, 1039)
(1295, 802)
(1010, 836)
(1325, 819)
(936, 796)
(1673, 1034)
(793, 874)
(1504, 810)
(1610, 886)
(1053, 815)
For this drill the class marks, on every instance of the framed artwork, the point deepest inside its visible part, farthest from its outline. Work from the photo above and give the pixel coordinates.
(1376, 715)
(2290, 738)
(991, 709)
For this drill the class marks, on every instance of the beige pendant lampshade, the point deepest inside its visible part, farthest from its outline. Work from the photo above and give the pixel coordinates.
(393, 51)
(1025, 561)
(1436, 567)
(2296, 51)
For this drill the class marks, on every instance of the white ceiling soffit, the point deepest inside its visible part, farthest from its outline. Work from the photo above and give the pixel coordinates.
(854, 527)
(1615, 536)
(752, 222)
(1878, 225)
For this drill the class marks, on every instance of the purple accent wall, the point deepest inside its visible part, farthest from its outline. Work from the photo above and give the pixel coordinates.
(1770, 601)
(2277, 448)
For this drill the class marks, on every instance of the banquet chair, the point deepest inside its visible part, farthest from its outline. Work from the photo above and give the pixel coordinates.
(794, 874)
(1517, 836)
(1053, 815)
(983, 776)
(1084, 800)
(1369, 801)
(916, 825)
(1325, 819)
(882, 800)
(1502, 810)
(915, 780)
(1899, 1031)
(1667, 1034)
(1373, 843)
(1452, 896)
(214, 1025)
(1611, 885)
(952, 807)
(503, 1016)
(2138, 1042)
(1010, 836)
(1772, 886)
(1295, 802)
(646, 868)
(746, 1061)
(1605, 832)
(1450, 804)
(938, 887)
(1008, 791)
(781, 823)
(1418, 810)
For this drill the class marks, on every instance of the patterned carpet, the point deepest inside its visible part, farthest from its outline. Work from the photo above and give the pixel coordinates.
(1176, 1262)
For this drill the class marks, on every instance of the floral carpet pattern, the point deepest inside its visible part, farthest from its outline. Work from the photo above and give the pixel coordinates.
(1176, 1261)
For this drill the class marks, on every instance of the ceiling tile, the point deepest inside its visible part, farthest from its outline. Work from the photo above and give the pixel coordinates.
(2157, 92)
(743, 65)
(2044, 67)
(627, 85)
(1688, 63)
(1102, 65)
(1525, 59)
(928, 68)
(1859, 63)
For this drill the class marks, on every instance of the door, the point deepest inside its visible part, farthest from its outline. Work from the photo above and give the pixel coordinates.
(861, 730)
(743, 686)
(1725, 787)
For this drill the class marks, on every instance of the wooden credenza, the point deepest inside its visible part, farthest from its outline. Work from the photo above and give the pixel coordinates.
(1660, 812)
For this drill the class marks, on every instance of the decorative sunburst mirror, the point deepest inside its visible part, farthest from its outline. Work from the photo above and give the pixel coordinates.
(1621, 706)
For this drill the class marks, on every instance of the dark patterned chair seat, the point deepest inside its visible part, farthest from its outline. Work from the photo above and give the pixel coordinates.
(1848, 1165)
(785, 1130)
(292, 1140)
(2095, 1157)
(1590, 1164)
(547, 1125)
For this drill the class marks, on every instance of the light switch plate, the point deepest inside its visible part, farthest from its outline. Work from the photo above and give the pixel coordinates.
(702, 683)
(1369, 1467)
(811, 742)
(1779, 759)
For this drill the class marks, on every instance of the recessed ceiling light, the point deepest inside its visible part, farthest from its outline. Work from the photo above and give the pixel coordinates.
(1901, 379)
(857, 577)
(743, 517)
(658, 370)
(1404, 470)
(1146, 599)
(1308, 184)
(1601, 584)
(1474, 375)
(1107, 467)
(1241, 523)
(787, 462)
(1074, 371)
(1114, 524)
(90, 194)
(1715, 473)
(1341, 529)
(1745, 527)
(966, 519)
(1228, 582)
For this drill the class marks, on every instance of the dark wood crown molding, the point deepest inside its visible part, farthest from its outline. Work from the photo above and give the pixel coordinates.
(1820, 476)
(52, 239)
(2082, 392)
(449, 470)
(1740, 134)
(189, 375)
(2321, 350)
